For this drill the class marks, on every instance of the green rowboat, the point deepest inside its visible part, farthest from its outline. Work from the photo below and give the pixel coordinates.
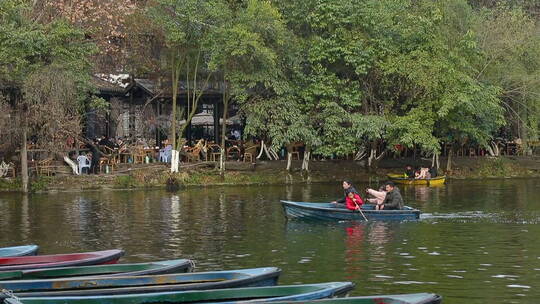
(231, 295)
(136, 269)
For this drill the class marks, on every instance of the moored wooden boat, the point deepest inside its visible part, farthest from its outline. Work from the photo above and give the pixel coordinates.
(109, 270)
(266, 276)
(329, 211)
(60, 260)
(229, 295)
(412, 298)
(18, 250)
(400, 179)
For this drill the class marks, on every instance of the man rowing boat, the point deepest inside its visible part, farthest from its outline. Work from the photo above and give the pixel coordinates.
(393, 199)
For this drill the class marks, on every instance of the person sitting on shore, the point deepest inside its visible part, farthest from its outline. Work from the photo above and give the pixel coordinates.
(353, 201)
(122, 147)
(393, 199)
(347, 187)
(378, 196)
(105, 141)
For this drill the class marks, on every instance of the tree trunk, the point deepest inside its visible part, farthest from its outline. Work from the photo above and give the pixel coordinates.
(289, 160)
(175, 159)
(224, 131)
(273, 153)
(175, 77)
(263, 149)
(360, 154)
(74, 167)
(435, 162)
(371, 157)
(24, 161)
(449, 161)
(493, 149)
(269, 153)
(305, 161)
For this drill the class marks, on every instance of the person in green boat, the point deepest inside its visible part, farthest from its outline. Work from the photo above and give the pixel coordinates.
(393, 199)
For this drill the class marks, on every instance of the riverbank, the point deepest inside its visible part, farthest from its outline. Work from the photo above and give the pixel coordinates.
(157, 176)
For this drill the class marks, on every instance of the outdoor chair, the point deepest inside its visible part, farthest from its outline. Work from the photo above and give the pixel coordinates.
(6, 168)
(44, 167)
(294, 149)
(165, 155)
(214, 152)
(193, 154)
(107, 161)
(138, 156)
(233, 153)
(249, 152)
(84, 162)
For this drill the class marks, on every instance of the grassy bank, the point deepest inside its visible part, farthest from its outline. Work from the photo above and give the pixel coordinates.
(158, 177)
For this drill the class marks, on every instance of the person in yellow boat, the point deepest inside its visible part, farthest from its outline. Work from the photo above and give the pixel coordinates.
(409, 172)
(423, 173)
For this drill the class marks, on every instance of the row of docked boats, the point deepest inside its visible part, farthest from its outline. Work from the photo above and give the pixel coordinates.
(94, 278)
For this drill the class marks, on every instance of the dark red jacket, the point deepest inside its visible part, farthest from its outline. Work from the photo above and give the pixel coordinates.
(351, 205)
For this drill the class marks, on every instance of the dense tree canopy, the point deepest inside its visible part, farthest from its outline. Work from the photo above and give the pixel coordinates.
(338, 76)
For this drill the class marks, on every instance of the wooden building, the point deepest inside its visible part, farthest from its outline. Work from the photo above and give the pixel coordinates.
(141, 109)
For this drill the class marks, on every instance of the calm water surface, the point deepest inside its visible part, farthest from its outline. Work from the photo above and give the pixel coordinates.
(477, 241)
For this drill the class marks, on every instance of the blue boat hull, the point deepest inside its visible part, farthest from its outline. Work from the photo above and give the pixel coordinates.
(19, 251)
(79, 286)
(288, 293)
(329, 211)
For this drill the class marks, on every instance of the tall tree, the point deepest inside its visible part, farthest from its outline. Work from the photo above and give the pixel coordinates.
(43, 73)
(243, 51)
(186, 28)
(105, 23)
(509, 40)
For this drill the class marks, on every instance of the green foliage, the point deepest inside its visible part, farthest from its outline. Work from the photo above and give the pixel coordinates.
(402, 72)
(509, 40)
(41, 183)
(335, 75)
(13, 184)
(26, 46)
(126, 182)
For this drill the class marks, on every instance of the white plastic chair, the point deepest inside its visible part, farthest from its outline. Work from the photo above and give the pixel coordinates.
(84, 162)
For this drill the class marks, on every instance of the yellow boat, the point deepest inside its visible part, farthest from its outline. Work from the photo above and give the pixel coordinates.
(401, 179)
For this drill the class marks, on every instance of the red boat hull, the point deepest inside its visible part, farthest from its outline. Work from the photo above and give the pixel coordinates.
(60, 260)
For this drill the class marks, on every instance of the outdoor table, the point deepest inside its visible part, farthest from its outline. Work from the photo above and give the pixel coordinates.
(124, 156)
(151, 152)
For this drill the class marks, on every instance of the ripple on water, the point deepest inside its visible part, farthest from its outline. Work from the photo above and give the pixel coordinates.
(518, 286)
(414, 283)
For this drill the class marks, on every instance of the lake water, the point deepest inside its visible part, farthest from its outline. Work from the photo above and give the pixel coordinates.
(477, 241)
